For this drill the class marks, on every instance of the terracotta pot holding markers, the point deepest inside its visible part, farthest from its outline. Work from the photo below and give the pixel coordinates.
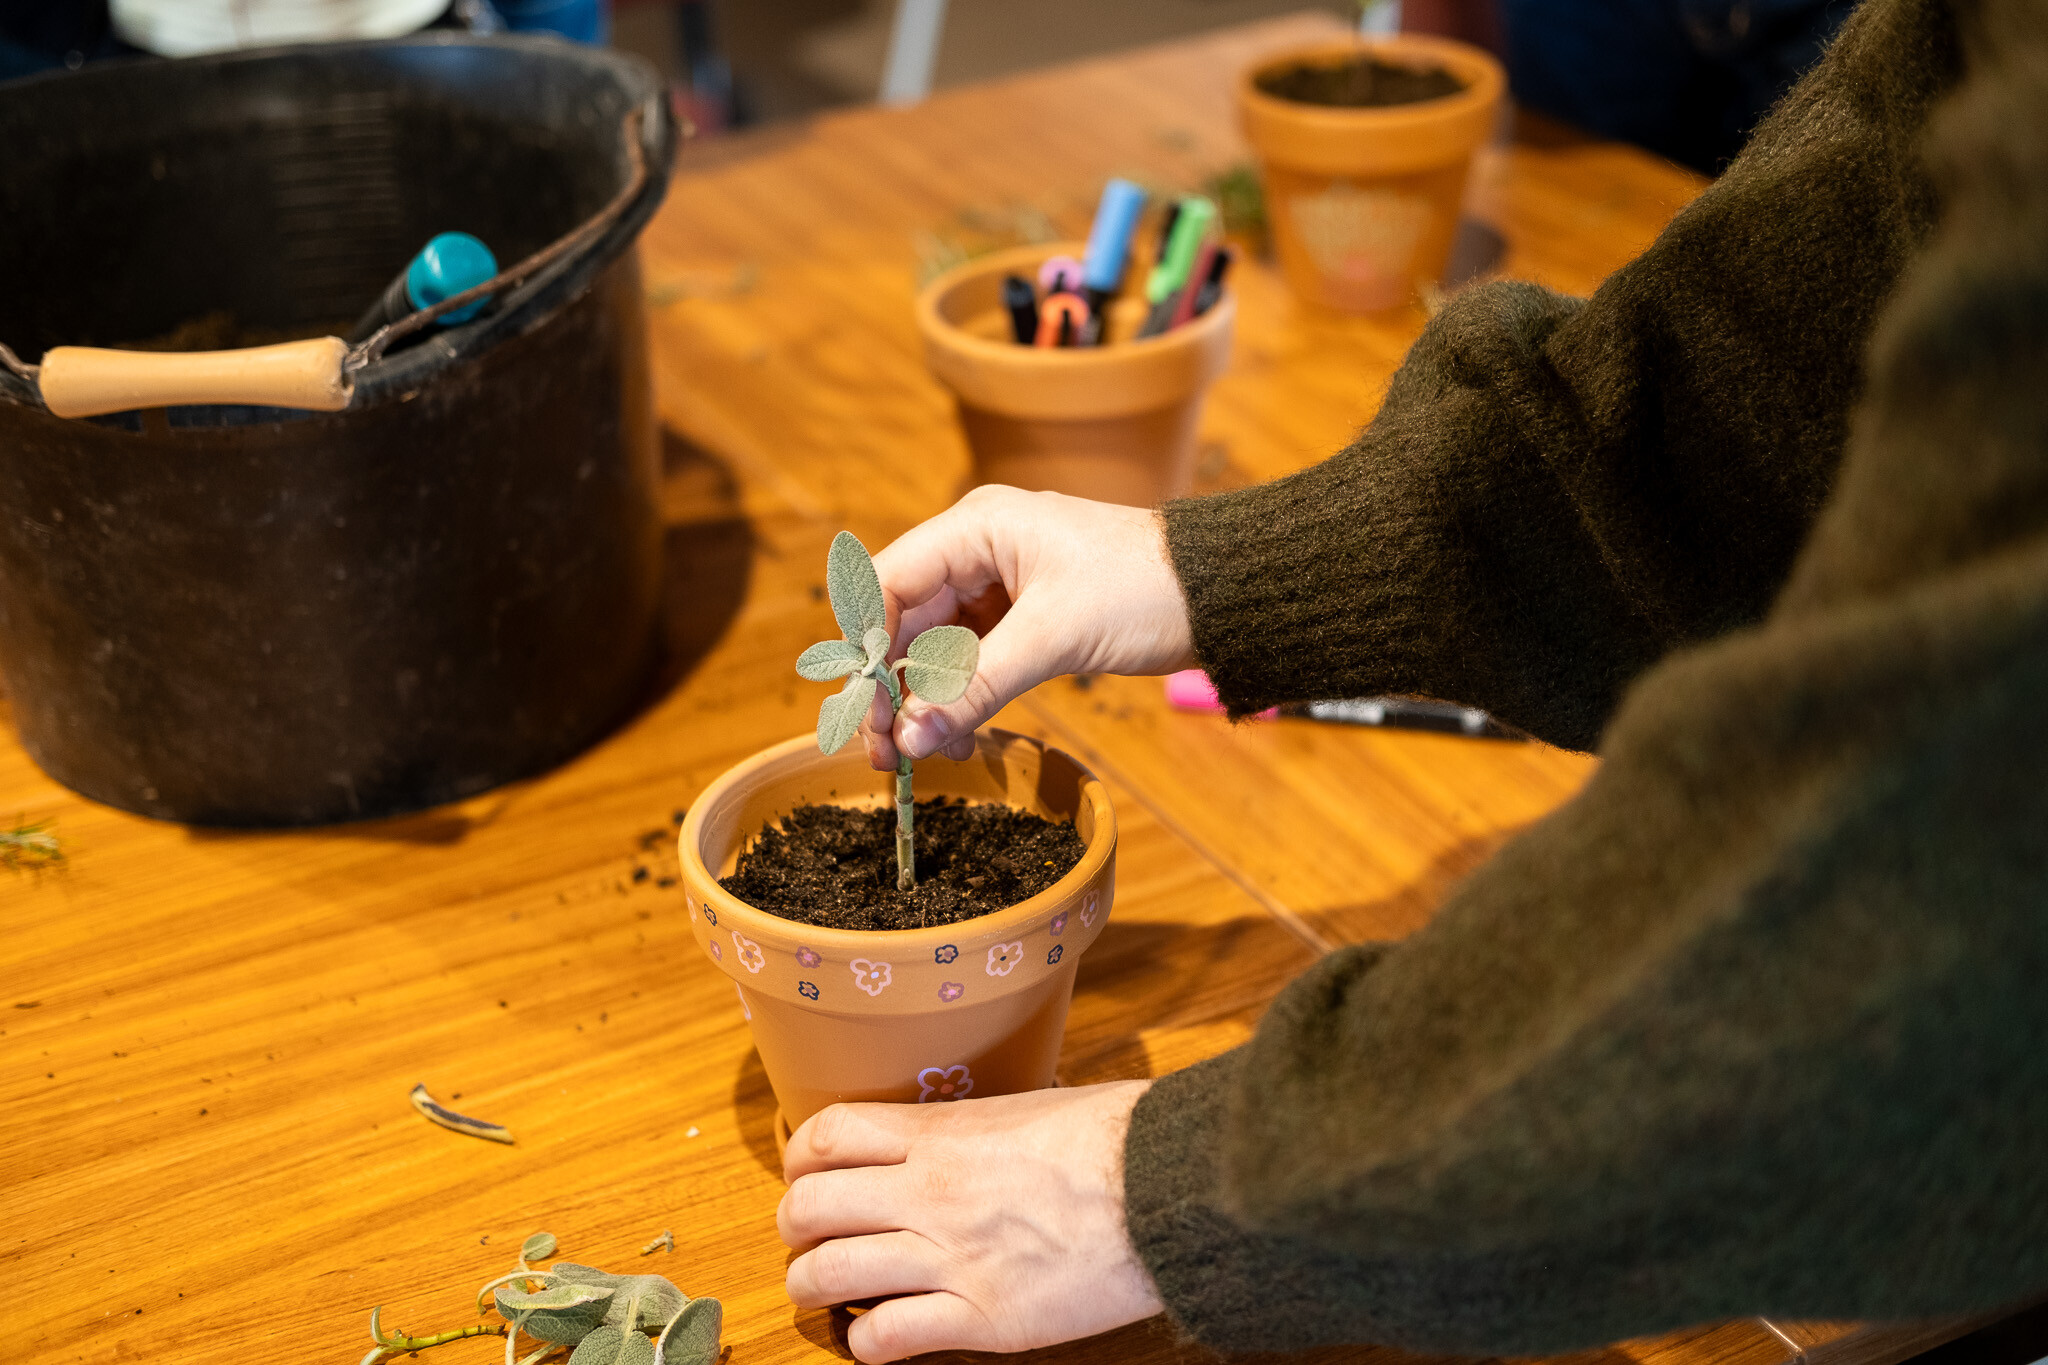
(1115, 422)
(1362, 202)
(911, 1016)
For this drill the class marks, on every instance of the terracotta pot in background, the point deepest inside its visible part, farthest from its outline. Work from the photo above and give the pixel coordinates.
(915, 1016)
(1362, 203)
(1114, 422)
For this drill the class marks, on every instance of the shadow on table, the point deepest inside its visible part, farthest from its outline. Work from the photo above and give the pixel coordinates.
(1476, 249)
(707, 556)
(753, 1107)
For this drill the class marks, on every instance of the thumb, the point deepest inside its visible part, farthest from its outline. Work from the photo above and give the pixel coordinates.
(1011, 663)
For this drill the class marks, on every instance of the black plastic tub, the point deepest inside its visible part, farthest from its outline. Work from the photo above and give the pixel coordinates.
(255, 616)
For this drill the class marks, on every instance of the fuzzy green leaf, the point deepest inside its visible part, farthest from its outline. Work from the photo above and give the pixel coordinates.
(644, 1303)
(829, 659)
(512, 1301)
(572, 1273)
(563, 1314)
(842, 713)
(610, 1346)
(876, 643)
(692, 1338)
(538, 1247)
(856, 592)
(941, 662)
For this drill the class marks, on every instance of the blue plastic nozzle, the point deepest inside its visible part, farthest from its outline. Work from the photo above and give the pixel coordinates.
(451, 263)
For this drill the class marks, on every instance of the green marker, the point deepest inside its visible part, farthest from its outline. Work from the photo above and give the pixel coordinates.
(1170, 275)
(1190, 226)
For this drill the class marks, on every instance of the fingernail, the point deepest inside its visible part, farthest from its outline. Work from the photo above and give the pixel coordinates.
(923, 734)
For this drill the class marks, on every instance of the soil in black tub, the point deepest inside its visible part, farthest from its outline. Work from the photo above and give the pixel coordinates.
(1361, 82)
(836, 867)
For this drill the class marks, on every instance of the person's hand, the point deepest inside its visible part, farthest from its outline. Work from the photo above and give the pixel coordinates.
(1052, 584)
(996, 1224)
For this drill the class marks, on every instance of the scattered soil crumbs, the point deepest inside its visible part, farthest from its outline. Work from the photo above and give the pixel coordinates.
(836, 867)
(1359, 83)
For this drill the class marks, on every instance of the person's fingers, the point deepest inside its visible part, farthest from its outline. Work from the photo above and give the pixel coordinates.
(942, 608)
(1016, 656)
(850, 1202)
(951, 550)
(842, 1135)
(961, 749)
(849, 1268)
(875, 730)
(912, 1326)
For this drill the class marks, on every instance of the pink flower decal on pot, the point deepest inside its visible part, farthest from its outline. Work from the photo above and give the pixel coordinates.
(1003, 958)
(1058, 925)
(745, 1012)
(748, 952)
(807, 989)
(949, 991)
(1054, 956)
(872, 977)
(1089, 908)
(944, 953)
(937, 1083)
(717, 953)
(807, 957)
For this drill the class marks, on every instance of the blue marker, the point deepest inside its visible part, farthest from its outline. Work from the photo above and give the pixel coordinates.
(1109, 241)
(445, 267)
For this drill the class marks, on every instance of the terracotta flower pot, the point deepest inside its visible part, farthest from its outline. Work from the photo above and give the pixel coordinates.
(915, 1016)
(1113, 422)
(1362, 203)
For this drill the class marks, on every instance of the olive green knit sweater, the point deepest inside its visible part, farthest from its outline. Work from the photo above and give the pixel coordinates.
(1758, 1023)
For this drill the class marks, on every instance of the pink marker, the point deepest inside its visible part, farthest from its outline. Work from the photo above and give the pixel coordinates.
(1191, 690)
(1060, 274)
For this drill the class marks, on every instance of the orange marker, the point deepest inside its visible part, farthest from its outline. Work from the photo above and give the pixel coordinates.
(1061, 318)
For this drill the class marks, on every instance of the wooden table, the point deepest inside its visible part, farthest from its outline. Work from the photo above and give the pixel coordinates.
(208, 1037)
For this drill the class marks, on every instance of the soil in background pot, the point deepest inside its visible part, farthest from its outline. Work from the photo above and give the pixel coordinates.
(1362, 82)
(836, 867)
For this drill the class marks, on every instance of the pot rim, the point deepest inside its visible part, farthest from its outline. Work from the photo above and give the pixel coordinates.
(1101, 846)
(1484, 80)
(1057, 359)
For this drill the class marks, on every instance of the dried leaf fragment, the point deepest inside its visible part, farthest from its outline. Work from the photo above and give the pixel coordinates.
(665, 1242)
(437, 1112)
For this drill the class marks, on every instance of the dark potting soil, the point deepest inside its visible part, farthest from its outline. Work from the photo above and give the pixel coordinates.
(836, 867)
(1359, 83)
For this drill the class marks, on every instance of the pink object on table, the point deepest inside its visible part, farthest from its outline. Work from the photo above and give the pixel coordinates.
(1191, 690)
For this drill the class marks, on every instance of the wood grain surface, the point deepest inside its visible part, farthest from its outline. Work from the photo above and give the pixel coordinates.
(208, 1037)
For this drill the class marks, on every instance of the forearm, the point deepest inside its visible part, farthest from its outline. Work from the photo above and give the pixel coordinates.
(1555, 494)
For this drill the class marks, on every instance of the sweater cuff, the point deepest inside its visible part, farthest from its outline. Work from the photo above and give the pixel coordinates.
(1311, 586)
(1230, 1289)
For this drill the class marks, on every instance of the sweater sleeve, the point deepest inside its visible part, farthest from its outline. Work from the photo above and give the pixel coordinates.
(1754, 1024)
(1556, 492)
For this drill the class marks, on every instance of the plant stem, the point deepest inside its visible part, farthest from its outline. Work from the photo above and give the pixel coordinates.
(399, 1343)
(906, 856)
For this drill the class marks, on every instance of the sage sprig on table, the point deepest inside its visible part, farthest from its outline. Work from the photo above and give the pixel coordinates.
(599, 1318)
(30, 848)
(937, 666)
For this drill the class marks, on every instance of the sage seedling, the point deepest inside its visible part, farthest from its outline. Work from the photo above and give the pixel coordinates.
(937, 666)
